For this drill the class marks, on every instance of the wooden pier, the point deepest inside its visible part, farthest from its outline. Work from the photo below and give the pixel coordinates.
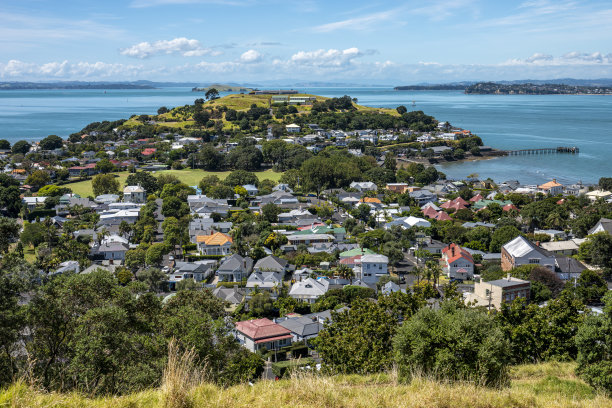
(549, 150)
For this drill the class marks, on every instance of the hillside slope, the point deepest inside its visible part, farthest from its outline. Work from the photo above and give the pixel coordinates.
(547, 385)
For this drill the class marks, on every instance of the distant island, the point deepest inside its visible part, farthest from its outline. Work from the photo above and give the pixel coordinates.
(505, 88)
(535, 89)
(11, 86)
(437, 87)
(223, 88)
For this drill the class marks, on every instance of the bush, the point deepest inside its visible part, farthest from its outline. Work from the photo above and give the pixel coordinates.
(452, 344)
(285, 368)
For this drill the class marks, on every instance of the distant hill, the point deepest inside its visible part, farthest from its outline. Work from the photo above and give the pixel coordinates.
(72, 85)
(535, 89)
(223, 88)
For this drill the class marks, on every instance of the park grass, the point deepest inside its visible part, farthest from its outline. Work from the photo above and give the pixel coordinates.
(191, 177)
(547, 385)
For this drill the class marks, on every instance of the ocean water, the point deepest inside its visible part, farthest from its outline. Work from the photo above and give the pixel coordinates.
(502, 121)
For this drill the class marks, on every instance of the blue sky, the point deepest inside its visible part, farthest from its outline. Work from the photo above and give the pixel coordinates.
(366, 42)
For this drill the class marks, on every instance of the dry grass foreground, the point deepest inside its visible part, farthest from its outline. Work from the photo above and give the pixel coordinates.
(547, 385)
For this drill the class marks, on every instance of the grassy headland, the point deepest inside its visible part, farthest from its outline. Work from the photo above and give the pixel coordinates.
(191, 177)
(548, 385)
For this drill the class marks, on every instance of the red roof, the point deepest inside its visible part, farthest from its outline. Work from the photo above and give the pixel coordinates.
(351, 260)
(267, 339)
(318, 224)
(460, 200)
(476, 198)
(442, 216)
(262, 329)
(454, 252)
(430, 212)
(148, 151)
(509, 207)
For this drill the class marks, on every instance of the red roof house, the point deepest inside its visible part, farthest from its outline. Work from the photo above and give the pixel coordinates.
(262, 334)
(476, 198)
(442, 216)
(149, 151)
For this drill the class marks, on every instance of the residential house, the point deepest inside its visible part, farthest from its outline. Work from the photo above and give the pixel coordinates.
(302, 328)
(551, 188)
(274, 264)
(521, 251)
(262, 334)
(234, 295)
(234, 268)
(293, 128)
(568, 268)
(599, 195)
(264, 280)
(251, 189)
(198, 271)
(390, 287)
(372, 268)
(33, 202)
(553, 234)
(603, 225)
(423, 197)
(494, 293)
(309, 239)
(399, 188)
(569, 247)
(309, 290)
(216, 243)
(457, 262)
(363, 186)
(110, 250)
(134, 194)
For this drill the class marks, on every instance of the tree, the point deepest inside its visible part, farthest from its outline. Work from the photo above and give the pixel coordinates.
(51, 142)
(501, 236)
(174, 207)
(155, 253)
(104, 184)
(105, 166)
(401, 109)
(38, 179)
(144, 179)
(452, 344)
(9, 232)
(33, 234)
(211, 94)
(201, 118)
(605, 183)
(357, 340)
(594, 343)
(135, 258)
(210, 159)
(245, 158)
(21, 147)
(240, 178)
(162, 110)
(597, 250)
(590, 287)
(5, 144)
(270, 212)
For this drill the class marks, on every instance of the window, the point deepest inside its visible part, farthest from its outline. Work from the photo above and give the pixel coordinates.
(534, 261)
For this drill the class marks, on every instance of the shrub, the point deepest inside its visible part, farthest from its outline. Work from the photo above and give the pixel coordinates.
(284, 368)
(452, 344)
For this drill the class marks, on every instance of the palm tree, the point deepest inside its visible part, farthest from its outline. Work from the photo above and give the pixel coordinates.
(554, 219)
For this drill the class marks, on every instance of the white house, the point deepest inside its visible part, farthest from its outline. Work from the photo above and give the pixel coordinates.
(293, 128)
(551, 188)
(217, 243)
(134, 194)
(521, 251)
(309, 290)
(363, 186)
(373, 266)
(458, 263)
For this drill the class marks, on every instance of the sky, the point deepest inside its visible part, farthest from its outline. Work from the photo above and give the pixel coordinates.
(334, 41)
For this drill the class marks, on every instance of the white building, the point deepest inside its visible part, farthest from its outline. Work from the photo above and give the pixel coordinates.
(521, 251)
(134, 194)
(293, 128)
(309, 290)
(373, 267)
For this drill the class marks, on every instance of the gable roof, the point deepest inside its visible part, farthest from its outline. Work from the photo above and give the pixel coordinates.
(218, 238)
(605, 224)
(261, 328)
(549, 185)
(454, 252)
(302, 326)
(271, 263)
(309, 287)
(521, 246)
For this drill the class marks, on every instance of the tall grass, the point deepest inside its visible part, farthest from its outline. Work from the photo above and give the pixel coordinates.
(548, 385)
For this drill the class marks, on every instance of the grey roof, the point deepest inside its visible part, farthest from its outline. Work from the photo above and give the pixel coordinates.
(271, 263)
(264, 279)
(232, 295)
(605, 223)
(112, 247)
(505, 282)
(302, 326)
(566, 264)
(191, 267)
(236, 263)
(478, 224)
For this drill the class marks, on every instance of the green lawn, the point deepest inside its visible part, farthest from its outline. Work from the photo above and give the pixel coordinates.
(191, 177)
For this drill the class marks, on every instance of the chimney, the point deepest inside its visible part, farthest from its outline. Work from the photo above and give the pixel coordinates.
(509, 277)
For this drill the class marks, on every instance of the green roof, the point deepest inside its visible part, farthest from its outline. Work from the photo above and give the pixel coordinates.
(321, 230)
(484, 203)
(356, 251)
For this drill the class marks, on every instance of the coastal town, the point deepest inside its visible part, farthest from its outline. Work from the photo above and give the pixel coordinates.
(296, 226)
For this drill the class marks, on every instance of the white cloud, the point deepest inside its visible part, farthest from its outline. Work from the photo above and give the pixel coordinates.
(357, 23)
(331, 58)
(569, 59)
(15, 69)
(154, 3)
(183, 46)
(251, 56)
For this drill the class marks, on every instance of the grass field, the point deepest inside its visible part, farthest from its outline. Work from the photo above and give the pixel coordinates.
(187, 176)
(548, 385)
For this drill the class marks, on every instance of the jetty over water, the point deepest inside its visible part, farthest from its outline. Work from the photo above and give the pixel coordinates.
(548, 150)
